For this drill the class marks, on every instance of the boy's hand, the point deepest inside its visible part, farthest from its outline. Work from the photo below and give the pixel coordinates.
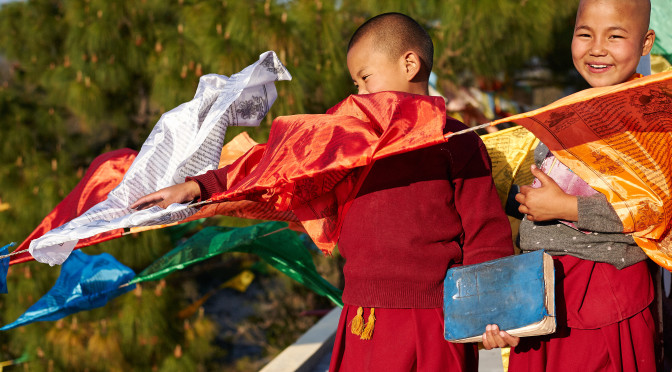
(180, 193)
(547, 202)
(493, 338)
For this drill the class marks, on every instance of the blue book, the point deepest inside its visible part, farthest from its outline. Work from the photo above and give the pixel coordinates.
(515, 292)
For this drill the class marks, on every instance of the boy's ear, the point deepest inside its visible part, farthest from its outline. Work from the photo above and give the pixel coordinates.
(649, 38)
(411, 64)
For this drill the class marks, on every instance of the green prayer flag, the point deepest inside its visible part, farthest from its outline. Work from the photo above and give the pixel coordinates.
(660, 23)
(272, 241)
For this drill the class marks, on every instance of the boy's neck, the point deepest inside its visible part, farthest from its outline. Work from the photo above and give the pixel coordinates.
(419, 88)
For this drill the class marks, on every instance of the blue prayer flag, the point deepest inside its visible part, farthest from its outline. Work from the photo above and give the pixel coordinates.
(4, 266)
(86, 282)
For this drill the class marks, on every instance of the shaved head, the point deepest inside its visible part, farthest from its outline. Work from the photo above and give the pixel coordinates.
(638, 10)
(394, 34)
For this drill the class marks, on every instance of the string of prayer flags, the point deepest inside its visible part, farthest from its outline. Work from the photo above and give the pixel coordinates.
(616, 138)
(4, 267)
(85, 282)
(272, 241)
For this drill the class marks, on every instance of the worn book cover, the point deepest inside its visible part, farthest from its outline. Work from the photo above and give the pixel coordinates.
(515, 292)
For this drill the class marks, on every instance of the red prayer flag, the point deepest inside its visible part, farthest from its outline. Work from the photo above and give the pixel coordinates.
(103, 175)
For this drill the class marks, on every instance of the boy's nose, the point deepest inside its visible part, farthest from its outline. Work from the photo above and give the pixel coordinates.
(598, 48)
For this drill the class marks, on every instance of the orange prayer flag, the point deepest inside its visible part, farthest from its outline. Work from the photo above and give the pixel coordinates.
(313, 165)
(618, 140)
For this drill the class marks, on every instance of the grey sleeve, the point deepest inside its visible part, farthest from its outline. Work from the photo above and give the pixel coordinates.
(596, 214)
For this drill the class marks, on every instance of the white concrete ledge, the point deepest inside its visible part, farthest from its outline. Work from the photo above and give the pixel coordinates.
(306, 352)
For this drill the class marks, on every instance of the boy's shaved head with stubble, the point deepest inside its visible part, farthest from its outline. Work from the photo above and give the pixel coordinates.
(638, 10)
(395, 33)
(391, 51)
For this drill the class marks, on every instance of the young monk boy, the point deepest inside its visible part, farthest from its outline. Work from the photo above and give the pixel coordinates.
(416, 215)
(603, 286)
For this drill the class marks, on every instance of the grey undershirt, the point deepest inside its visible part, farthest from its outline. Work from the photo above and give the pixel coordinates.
(605, 241)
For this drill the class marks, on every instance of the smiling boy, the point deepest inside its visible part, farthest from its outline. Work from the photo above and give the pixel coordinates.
(603, 285)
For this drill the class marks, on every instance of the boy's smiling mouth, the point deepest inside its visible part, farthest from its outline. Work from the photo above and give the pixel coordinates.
(598, 67)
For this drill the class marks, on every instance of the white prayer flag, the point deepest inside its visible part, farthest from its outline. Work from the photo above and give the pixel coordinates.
(186, 141)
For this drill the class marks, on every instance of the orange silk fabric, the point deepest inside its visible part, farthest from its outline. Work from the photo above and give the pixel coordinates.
(312, 165)
(619, 140)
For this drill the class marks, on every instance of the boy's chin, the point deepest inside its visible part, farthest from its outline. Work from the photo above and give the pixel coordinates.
(604, 79)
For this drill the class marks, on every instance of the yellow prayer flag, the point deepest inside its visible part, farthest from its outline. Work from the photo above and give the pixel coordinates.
(512, 153)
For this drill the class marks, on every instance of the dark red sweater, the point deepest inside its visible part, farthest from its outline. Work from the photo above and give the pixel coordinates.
(416, 215)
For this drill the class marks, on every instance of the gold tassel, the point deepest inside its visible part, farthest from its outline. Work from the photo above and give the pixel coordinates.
(357, 322)
(368, 330)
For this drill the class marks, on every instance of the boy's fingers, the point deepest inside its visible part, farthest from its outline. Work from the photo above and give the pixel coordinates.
(146, 202)
(524, 189)
(544, 178)
(138, 204)
(522, 208)
(520, 198)
(488, 341)
(510, 340)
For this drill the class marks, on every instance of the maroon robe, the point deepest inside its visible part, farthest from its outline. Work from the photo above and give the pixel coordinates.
(604, 321)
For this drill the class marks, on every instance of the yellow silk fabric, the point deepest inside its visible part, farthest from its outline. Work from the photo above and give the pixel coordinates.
(511, 153)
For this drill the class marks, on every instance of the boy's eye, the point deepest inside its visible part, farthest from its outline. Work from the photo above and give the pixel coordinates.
(616, 37)
(365, 77)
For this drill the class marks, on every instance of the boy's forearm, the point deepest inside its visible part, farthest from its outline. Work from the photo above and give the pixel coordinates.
(596, 214)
